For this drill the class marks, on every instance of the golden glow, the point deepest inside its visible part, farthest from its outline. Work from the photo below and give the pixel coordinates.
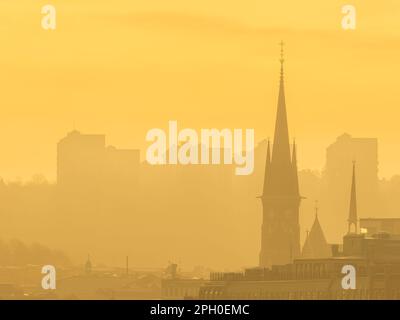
(123, 67)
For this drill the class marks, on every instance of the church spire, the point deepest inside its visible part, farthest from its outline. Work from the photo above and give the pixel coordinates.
(353, 202)
(281, 149)
(281, 173)
(280, 230)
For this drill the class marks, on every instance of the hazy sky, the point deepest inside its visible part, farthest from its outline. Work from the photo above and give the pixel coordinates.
(123, 67)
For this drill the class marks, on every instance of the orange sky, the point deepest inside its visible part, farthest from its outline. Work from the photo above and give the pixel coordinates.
(123, 67)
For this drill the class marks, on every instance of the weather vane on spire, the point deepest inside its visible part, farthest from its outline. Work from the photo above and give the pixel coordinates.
(281, 59)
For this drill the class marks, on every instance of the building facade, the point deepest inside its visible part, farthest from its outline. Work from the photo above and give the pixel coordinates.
(376, 260)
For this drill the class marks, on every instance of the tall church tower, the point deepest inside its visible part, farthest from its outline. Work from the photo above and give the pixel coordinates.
(280, 230)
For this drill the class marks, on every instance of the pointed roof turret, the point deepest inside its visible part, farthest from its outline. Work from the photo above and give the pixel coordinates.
(316, 246)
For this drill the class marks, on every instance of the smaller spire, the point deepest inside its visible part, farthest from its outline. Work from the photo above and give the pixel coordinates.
(353, 202)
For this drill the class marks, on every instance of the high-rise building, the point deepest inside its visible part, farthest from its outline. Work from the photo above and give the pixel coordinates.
(80, 159)
(280, 231)
(84, 161)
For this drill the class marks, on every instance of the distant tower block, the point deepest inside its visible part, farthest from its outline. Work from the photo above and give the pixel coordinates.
(280, 231)
(316, 246)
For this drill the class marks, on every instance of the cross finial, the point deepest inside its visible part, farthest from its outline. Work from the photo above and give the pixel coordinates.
(316, 208)
(282, 44)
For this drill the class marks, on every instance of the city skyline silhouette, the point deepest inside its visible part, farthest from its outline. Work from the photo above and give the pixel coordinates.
(221, 62)
(82, 101)
(105, 197)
